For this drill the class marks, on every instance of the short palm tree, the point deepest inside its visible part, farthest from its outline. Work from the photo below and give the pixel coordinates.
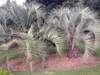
(79, 24)
(32, 48)
(32, 43)
(24, 16)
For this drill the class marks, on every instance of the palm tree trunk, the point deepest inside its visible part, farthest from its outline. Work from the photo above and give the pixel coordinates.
(72, 49)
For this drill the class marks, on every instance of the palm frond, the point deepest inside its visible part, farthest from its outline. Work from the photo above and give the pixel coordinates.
(89, 44)
(31, 31)
(34, 50)
(53, 35)
(37, 8)
(94, 29)
(56, 16)
(2, 32)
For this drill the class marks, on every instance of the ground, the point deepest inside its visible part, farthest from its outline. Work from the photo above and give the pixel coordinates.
(56, 62)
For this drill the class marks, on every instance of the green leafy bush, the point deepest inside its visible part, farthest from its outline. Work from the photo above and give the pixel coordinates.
(4, 72)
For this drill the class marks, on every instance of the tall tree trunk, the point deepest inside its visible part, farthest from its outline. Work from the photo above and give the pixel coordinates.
(72, 49)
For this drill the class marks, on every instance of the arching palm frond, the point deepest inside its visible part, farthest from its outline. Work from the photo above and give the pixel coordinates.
(34, 50)
(37, 8)
(87, 26)
(94, 29)
(92, 38)
(53, 35)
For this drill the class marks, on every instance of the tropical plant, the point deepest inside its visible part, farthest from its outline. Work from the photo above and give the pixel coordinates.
(24, 16)
(38, 46)
(79, 24)
(34, 42)
(32, 48)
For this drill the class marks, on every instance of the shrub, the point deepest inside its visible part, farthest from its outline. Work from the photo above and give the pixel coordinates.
(4, 72)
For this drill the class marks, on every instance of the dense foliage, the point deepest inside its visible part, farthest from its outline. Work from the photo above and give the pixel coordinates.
(36, 30)
(39, 36)
(50, 4)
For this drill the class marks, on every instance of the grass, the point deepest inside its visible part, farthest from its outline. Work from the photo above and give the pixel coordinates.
(12, 54)
(83, 71)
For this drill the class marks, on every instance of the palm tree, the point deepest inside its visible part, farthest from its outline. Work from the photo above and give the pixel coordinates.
(32, 43)
(24, 16)
(32, 48)
(79, 25)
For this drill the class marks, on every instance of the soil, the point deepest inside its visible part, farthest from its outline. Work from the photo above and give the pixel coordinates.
(55, 62)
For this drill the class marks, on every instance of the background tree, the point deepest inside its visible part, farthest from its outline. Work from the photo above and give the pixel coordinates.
(50, 4)
(94, 4)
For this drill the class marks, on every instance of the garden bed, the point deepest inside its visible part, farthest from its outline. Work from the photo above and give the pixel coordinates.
(55, 62)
